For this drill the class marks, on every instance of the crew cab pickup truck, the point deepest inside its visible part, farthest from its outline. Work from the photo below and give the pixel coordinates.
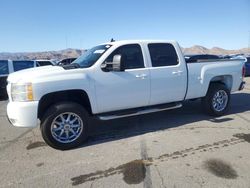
(114, 80)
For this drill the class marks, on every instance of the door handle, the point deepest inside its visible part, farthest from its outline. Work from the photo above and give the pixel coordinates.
(177, 72)
(142, 76)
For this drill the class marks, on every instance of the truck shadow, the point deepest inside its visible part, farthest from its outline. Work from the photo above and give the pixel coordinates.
(106, 131)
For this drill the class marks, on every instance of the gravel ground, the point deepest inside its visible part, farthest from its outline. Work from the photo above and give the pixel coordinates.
(177, 148)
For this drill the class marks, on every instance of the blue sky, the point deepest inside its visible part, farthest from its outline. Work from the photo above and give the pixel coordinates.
(41, 25)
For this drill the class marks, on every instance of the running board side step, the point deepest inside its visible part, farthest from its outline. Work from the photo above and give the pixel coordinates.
(139, 111)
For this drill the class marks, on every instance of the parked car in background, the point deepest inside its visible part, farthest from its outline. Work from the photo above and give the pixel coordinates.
(247, 64)
(4, 72)
(196, 58)
(22, 64)
(66, 61)
(9, 66)
(44, 62)
(232, 56)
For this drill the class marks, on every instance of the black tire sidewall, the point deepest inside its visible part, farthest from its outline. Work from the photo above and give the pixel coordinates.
(52, 113)
(208, 100)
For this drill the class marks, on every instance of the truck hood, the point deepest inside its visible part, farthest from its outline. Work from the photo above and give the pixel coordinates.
(28, 75)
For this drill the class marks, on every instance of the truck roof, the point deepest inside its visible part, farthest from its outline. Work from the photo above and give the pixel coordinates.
(139, 41)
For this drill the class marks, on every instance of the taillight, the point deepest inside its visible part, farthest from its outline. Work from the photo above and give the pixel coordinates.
(244, 70)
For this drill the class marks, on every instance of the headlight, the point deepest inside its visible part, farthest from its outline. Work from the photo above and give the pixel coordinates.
(22, 92)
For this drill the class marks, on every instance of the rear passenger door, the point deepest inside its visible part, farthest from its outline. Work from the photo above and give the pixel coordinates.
(168, 75)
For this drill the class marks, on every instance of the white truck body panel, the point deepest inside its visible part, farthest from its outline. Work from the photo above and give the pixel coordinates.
(49, 79)
(201, 74)
(123, 89)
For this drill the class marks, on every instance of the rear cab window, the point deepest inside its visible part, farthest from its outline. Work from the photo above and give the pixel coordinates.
(132, 57)
(20, 65)
(162, 54)
(4, 67)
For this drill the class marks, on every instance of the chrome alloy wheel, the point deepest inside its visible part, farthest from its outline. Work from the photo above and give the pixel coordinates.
(66, 127)
(220, 100)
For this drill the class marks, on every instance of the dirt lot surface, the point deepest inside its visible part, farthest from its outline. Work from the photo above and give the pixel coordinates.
(177, 148)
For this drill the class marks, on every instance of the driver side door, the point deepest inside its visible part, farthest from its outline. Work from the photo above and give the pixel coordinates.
(124, 89)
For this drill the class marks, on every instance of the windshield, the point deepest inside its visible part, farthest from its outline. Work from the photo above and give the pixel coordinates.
(4, 69)
(20, 65)
(91, 56)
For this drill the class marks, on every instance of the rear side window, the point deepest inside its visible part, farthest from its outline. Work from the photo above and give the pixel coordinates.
(131, 56)
(20, 65)
(162, 54)
(4, 68)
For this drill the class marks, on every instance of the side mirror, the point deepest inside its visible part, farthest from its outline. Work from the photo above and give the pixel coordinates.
(116, 64)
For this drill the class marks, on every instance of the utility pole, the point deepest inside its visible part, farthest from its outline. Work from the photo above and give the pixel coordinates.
(249, 42)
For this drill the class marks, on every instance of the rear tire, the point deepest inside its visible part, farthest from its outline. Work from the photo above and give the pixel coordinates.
(65, 125)
(216, 102)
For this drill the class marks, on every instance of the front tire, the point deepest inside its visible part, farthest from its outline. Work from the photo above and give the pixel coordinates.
(216, 102)
(65, 125)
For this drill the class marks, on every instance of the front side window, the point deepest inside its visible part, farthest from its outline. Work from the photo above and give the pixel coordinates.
(131, 56)
(20, 65)
(4, 69)
(162, 54)
(91, 56)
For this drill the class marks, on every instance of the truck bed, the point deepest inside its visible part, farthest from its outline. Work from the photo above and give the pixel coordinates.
(202, 72)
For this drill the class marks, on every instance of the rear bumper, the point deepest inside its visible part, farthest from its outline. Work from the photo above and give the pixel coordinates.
(242, 85)
(23, 114)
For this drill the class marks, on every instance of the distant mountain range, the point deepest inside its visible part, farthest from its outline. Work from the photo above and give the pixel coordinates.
(58, 55)
(215, 50)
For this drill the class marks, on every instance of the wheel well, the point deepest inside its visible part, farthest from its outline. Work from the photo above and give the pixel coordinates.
(78, 96)
(226, 80)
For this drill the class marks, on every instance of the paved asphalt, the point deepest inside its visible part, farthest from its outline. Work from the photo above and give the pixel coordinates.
(177, 148)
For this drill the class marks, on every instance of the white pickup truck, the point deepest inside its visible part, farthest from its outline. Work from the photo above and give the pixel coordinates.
(114, 80)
